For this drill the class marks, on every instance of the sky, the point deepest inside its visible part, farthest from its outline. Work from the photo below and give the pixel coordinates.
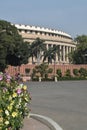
(69, 16)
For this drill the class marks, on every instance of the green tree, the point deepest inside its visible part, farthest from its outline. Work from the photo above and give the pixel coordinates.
(43, 70)
(51, 54)
(20, 55)
(79, 56)
(83, 72)
(76, 72)
(2, 58)
(13, 50)
(33, 75)
(37, 48)
(27, 71)
(68, 73)
(59, 73)
(48, 54)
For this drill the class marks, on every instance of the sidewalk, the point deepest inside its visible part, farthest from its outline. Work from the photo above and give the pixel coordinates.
(40, 122)
(33, 124)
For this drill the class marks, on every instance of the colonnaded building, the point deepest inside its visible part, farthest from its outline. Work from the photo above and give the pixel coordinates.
(52, 37)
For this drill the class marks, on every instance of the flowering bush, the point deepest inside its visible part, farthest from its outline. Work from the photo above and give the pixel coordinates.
(14, 98)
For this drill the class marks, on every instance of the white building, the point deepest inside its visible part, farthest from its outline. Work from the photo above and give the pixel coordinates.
(51, 37)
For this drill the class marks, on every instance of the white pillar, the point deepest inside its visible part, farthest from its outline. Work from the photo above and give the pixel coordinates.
(47, 46)
(60, 53)
(70, 49)
(47, 49)
(67, 59)
(64, 54)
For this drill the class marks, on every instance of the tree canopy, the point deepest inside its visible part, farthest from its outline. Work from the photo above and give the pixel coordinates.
(13, 50)
(79, 56)
(51, 54)
(37, 48)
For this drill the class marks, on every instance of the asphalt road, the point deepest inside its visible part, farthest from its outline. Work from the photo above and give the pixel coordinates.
(63, 101)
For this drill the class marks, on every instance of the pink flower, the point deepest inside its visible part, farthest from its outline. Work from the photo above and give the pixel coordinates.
(1, 77)
(8, 80)
(19, 91)
(4, 89)
(8, 77)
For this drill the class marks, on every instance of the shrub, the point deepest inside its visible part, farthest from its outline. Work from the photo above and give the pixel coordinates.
(27, 70)
(14, 98)
(83, 72)
(76, 72)
(59, 73)
(68, 73)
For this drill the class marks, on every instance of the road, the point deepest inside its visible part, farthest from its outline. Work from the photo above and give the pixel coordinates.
(63, 101)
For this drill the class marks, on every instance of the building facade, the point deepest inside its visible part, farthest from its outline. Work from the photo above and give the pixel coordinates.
(52, 37)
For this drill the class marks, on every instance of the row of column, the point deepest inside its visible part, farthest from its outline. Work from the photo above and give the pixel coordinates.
(63, 51)
(61, 56)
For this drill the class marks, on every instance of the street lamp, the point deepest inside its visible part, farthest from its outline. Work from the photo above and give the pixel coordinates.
(55, 78)
(19, 62)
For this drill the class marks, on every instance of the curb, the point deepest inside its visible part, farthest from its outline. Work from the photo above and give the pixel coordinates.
(47, 121)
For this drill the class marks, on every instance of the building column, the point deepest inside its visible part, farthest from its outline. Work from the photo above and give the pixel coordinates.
(47, 46)
(56, 55)
(67, 59)
(69, 49)
(60, 53)
(64, 54)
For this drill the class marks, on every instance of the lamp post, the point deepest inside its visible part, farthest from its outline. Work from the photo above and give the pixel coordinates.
(19, 63)
(54, 66)
(55, 78)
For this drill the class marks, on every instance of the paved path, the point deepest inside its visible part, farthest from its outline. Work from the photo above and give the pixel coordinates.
(65, 102)
(32, 124)
(40, 122)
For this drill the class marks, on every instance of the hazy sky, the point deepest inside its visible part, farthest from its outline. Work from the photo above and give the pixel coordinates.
(69, 16)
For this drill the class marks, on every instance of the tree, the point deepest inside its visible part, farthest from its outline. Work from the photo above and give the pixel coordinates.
(48, 54)
(76, 72)
(51, 54)
(68, 73)
(79, 56)
(83, 72)
(42, 70)
(59, 73)
(2, 58)
(37, 47)
(20, 55)
(27, 71)
(13, 50)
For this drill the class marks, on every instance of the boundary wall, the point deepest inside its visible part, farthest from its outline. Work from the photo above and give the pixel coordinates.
(13, 70)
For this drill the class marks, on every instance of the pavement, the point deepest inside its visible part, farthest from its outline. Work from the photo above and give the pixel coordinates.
(39, 122)
(33, 124)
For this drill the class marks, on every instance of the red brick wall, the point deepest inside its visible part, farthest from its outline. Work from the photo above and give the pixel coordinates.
(70, 67)
(13, 70)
